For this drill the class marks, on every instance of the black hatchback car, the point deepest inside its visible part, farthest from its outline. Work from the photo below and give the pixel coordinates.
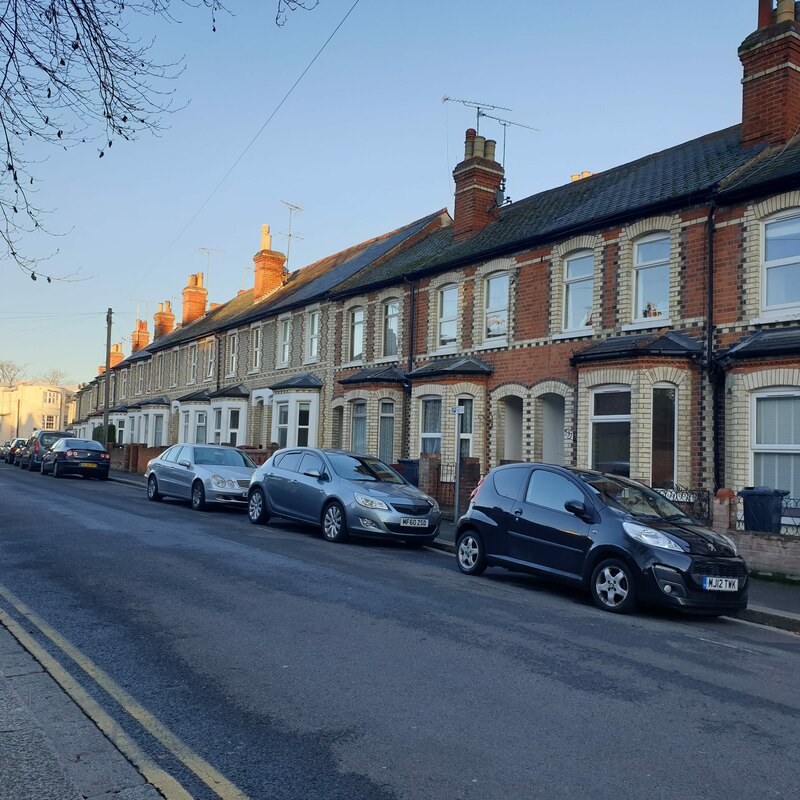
(77, 457)
(623, 540)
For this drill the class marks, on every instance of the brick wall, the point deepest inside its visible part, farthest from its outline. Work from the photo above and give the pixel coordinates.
(767, 552)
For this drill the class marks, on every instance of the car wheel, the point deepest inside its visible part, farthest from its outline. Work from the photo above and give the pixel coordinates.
(152, 489)
(334, 525)
(470, 553)
(257, 508)
(41, 469)
(613, 587)
(56, 470)
(198, 496)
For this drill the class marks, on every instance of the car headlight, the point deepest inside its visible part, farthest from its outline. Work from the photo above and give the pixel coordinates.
(730, 542)
(370, 502)
(218, 481)
(645, 535)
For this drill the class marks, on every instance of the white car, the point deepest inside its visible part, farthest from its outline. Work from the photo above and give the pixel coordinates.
(200, 473)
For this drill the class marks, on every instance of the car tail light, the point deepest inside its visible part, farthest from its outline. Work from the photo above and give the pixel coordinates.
(104, 455)
(474, 492)
(71, 453)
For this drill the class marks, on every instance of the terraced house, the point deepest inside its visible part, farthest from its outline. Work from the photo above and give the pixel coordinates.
(644, 320)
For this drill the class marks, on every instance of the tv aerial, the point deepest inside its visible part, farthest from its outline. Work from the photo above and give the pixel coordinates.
(294, 208)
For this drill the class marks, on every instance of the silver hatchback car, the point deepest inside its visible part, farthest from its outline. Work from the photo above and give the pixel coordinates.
(200, 473)
(344, 493)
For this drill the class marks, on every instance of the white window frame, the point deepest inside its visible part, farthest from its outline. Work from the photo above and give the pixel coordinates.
(637, 315)
(358, 403)
(352, 327)
(160, 371)
(382, 415)
(256, 345)
(124, 384)
(284, 341)
(49, 422)
(465, 437)
(174, 368)
(429, 434)
(496, 339)
(593, 418)
(386, 319)
(312, 335)
(279, 425)
(569, 282)
(441, 319)
(192, 357)
(140, 379)
(781, 308)
(755, 448)
(211, 349)
(51, 398)
(232, 352)
(293, 400)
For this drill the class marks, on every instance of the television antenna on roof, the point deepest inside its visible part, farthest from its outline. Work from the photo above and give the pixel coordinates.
(294, 208)
(479, 106)
(208, 251)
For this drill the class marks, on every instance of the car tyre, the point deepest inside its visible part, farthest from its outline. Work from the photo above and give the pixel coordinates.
(56, 470)
(470, 552)
(257, 507)
(41, 469)
(152, 489)
(198, 496)
(334, 524)
(612, 586)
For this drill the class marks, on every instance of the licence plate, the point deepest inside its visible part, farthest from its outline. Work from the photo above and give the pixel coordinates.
(87, 464)
(413, 522)
(721, 584)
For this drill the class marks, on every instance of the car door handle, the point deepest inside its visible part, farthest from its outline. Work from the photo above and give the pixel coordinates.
(517, 512)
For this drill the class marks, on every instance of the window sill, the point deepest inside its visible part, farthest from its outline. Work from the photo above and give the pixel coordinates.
(786, 315)
(386, 360)
(578, 333)
(492, 344)
(307, 361)
(282, 366)
(647, 324)
(350, 364)
(254, 371)
(445, 351)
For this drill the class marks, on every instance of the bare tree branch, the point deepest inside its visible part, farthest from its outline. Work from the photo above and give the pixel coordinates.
(54, 375)
(10, 372)
(72, 73)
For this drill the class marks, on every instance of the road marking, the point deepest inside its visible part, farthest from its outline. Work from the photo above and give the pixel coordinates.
(171, 789)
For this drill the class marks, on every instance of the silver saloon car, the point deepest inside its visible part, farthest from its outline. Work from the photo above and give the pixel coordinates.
(200, 473)
(344, 493)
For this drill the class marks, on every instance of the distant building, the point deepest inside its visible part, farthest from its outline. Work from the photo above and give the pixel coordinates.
(29, 406)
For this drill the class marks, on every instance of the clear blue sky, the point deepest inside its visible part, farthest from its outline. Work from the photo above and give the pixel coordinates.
(364, 144)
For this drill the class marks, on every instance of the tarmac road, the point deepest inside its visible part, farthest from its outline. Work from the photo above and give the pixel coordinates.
(263, 662)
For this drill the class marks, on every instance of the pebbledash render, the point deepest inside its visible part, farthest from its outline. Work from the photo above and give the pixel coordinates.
(644, 320)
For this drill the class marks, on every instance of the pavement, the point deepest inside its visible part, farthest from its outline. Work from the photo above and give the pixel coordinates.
(49, 749)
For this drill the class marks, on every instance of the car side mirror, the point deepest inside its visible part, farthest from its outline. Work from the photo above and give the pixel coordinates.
(576, 507)
(313, 473)
(184, 463)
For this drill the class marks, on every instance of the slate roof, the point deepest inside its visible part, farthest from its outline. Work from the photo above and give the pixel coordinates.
(672, 343)
(236, 391)
(376, 375)
(461, 365)
(681, 174)
(200, 396)
(778, 341)
(307, 380)
(155, 401)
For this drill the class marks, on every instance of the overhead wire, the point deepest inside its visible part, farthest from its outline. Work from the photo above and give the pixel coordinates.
(245, 150)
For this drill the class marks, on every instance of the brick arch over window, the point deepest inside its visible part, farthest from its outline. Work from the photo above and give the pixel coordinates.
(566, 391)
(739, 389)
(627, 240)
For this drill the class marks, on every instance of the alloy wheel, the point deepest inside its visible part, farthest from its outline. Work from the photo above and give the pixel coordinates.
(612, 586)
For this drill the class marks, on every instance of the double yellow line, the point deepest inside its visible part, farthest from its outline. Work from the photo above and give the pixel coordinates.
(165, 783)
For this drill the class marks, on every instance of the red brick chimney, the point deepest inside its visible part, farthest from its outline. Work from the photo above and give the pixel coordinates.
(116, 357)
(194, 299)
(771, 83)
(140, 337)
(478, 179)
(163, 320)
(270, 267)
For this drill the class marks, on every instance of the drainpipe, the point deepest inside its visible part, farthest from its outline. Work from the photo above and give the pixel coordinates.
(712, 368)
(411, 320)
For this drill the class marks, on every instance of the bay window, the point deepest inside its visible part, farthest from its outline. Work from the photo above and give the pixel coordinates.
(358, 426)
(663, 437)
(776, 440)
(386, 432)
(610, 423)
(431, 425)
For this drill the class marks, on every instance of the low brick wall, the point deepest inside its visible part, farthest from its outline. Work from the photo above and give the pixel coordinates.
(769, 552)
(259, 454)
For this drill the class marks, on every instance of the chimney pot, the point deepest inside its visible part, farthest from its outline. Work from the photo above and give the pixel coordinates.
(490, 149)
(765, 14)
(480, 146)
(469, 144)
(140, 337)
(785, 11)
(269, 268)
(266, 238)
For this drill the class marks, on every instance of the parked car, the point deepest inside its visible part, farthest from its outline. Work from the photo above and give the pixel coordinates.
(10, 451)
(30, 456)
(200, 473)
(344, 493)
(621, 539)
(70, 456)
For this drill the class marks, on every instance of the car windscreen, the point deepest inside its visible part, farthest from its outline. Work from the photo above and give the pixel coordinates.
(632, 498)
(82, 444)
(361, 468)
(49, 439)
(221, 457)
